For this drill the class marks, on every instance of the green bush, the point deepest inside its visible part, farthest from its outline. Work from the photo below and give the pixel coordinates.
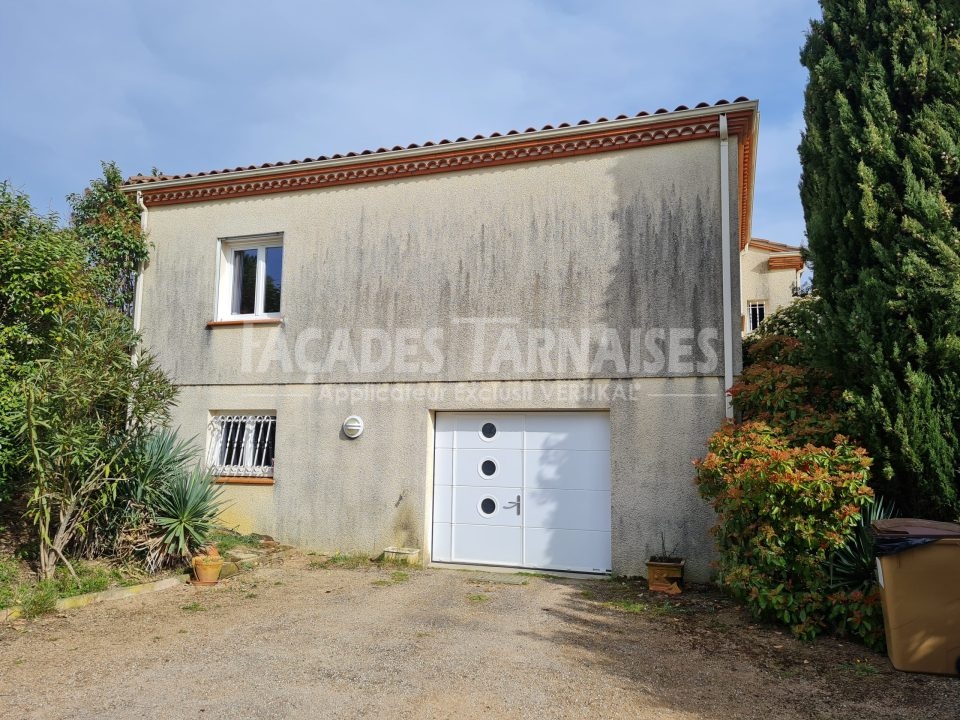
(858, 614)
(782, 512)
(83, 408)
(162, 508)
(804, 409)
(780, 387)
(800, 320)
(106, 221)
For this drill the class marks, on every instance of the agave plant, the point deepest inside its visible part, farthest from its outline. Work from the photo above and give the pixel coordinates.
(854, 565)
(185, 512)
(123, 527)
(160, 457)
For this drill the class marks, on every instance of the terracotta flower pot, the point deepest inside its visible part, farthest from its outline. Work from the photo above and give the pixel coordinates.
(665, 575)
(207, 569)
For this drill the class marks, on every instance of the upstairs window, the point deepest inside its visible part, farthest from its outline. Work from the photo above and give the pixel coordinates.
(757, 310)
(251, 270)
(242, 446)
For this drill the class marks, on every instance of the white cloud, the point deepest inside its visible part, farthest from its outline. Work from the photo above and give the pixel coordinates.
(209, 85)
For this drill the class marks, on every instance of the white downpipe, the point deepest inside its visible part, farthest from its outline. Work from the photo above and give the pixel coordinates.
(138, 287)
(727, 279)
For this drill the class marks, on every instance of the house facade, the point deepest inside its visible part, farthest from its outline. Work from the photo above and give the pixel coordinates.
(769, 279)
(502, 350)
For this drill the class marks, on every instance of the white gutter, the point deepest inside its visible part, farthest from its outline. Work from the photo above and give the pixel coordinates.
(138, 288)
(727, 278)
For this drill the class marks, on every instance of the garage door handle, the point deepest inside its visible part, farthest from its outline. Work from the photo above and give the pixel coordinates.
(515, 504)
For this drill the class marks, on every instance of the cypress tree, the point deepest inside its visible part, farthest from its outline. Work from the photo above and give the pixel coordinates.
(881, 197)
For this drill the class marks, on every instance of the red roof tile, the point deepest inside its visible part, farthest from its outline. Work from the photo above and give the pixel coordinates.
(146, 179)
(771, 246)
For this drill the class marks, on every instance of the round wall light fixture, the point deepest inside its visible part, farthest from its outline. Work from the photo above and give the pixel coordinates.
(353, 427)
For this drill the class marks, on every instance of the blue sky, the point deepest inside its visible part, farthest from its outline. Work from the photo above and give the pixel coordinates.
(195, 86)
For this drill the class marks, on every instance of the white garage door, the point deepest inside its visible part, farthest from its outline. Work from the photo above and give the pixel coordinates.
(523, 489)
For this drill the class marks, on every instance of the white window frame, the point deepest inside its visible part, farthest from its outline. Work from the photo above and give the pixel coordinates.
(755, 305)
(249, 449)
(225, 271)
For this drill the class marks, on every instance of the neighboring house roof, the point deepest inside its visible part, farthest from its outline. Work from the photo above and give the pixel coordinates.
(782, 257)
(547, 143)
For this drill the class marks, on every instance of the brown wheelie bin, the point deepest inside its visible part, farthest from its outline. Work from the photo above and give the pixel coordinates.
(918, 566)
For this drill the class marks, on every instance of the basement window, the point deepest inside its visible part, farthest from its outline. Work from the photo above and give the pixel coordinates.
(242, 448)
(756, 312)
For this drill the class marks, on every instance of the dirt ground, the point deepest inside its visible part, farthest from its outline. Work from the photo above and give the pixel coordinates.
(296, 639)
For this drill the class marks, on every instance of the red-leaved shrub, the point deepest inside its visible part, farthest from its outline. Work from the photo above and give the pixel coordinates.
(782, 511)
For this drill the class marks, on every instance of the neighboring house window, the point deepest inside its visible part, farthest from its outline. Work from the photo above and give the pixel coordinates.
(757, 310)
(242, 445)
(251, 270)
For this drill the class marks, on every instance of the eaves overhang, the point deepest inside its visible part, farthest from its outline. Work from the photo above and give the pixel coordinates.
(451, 156)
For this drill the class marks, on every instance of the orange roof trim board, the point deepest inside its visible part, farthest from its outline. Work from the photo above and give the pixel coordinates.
(786, 262)
(771, 246)
(782, 256)
(547, 143)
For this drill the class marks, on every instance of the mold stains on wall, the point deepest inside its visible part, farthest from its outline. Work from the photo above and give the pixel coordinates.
(624, 241)
(668, 269)
(404, 532)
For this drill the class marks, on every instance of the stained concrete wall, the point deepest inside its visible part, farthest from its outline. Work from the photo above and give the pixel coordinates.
(625, 240)
(363, 495)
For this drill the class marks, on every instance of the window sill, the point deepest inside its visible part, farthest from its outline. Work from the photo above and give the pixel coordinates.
(232, 480)
(248, 321)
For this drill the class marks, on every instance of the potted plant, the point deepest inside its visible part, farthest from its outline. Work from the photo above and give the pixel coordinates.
(665, 571)
(207, 566)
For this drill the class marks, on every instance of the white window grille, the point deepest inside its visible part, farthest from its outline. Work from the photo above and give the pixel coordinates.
(757, 311)
(243, 445)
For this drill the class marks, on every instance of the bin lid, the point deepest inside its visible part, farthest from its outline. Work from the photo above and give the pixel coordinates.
(915, 528)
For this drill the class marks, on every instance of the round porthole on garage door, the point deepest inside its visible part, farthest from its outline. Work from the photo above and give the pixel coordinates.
(488, 468)
(488, 431)
(487, 506)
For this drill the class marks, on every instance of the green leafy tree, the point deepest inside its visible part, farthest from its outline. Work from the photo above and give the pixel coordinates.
(85, 405)
(42, 273)
(881, 197)
(81, 446)
(107, 222)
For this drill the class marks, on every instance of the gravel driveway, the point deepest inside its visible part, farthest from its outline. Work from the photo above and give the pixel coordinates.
(295, 639)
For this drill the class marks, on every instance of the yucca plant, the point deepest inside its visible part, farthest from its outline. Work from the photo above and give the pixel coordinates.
(853, 566)
(185, 512)
(124, 529)
(155, 461)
